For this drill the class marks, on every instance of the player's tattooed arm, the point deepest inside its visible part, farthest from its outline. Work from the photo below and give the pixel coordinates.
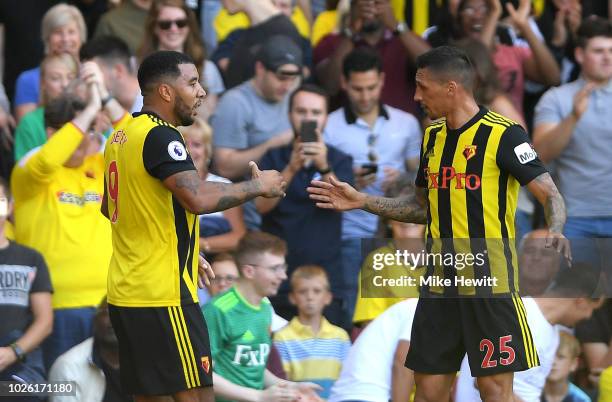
(341, 196)
(406, 208)
(189, 182)
(201, 196)
(545, 190)
(241, 193)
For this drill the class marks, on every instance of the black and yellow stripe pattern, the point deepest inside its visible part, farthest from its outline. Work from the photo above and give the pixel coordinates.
(470, 197)
(155, 252)
(531, 355)
(185, 350)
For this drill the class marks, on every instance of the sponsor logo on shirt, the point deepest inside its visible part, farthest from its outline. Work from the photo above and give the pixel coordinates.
(525, 153)
(469, 151)
(247, 355)
(177, 151)
(448, 177)
(15, 284)
(66, 197)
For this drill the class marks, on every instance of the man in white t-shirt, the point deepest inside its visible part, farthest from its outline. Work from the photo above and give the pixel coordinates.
(569, 299)
(374, 368)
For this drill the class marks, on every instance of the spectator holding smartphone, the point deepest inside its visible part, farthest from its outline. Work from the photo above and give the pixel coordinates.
(312, 234)
(383, 141)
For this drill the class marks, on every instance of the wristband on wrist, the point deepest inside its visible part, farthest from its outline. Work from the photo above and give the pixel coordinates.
(106, 100)
(18, 352)
(350, 35)
(400, 28)
(347, 32)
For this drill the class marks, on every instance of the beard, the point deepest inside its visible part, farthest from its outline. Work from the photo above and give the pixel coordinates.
(371, 26)
(183, 112)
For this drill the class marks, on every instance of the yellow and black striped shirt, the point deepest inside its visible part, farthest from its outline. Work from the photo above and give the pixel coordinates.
(472, 177)
(155, 252)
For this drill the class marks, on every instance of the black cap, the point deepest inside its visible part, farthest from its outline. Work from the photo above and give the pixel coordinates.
(278, 51)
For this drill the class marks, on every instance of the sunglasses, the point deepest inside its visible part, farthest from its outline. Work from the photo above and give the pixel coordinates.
(167, 24)
(470, 10)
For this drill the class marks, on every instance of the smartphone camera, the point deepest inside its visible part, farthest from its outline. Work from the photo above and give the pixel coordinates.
(308, 131)
(369, 168)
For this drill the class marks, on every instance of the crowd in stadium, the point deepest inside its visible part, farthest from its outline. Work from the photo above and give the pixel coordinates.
(315, 89)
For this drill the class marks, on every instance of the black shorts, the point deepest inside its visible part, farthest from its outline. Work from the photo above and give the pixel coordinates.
(492, 331)
(162, 350)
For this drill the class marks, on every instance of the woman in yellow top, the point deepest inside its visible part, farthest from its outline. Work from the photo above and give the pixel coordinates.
(58, 190)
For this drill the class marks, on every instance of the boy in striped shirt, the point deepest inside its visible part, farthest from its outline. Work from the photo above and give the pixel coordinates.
(310, 347)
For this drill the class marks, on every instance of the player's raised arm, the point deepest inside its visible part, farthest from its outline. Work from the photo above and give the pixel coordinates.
(200, 196)
(342, 197)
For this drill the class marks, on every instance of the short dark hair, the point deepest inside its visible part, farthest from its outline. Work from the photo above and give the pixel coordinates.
(108, 48)
(592, 27)
(7, 189)
(62, 109)
(160, 65)
(361, 60)
(579, 280)
(449, 62)
(310, 88)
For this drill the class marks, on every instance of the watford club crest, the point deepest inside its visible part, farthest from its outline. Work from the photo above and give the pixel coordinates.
(205, 364)
(469, 152)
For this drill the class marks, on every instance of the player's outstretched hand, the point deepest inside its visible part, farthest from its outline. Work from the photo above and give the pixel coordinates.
(335, 194)
(205, 272)
(271, 181)
(560, 243)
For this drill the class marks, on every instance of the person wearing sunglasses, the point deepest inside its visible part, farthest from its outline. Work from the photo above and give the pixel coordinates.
(171, 25)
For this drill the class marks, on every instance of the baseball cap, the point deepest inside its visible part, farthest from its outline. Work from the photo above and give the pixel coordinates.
(278, 51)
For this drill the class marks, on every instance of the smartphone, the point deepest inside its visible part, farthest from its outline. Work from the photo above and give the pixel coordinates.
(370, 168)
(308, 131)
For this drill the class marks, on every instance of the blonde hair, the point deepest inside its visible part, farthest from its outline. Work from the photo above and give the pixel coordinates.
(568, 343)
(59, 16)
(66, 60)
(308, 272)
(202, 131)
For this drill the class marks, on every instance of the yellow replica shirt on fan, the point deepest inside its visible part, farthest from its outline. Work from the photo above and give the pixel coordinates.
(155, 247)
(57, 212)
